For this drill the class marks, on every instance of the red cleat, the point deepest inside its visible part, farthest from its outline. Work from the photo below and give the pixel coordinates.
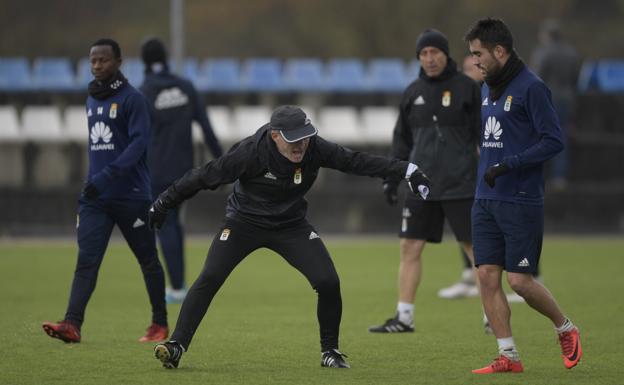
(571, 348)
(501, 365)
(64, 330)
(155, 333)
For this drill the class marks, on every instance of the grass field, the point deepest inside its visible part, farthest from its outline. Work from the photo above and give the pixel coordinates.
(261, 327)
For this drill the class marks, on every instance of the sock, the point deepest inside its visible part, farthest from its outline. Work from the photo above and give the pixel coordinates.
(566, 327)
(405, 312)
(507, 348)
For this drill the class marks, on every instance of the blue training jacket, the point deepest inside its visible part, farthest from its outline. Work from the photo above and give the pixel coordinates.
(522, 130)
(119, 130)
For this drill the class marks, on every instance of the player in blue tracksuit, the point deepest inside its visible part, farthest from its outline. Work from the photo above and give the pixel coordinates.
(117, 192)
(174, 104)
(520, 132)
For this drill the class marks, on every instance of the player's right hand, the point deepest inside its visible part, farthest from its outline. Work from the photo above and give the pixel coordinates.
(391, 192)
(156, 215)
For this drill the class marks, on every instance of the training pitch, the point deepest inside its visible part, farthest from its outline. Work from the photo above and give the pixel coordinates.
(261, 327)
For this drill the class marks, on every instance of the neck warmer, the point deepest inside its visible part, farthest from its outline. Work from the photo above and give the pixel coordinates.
(101, 90)
(449, 70)
(499, 81)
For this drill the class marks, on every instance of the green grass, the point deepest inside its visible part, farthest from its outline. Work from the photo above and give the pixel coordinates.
(261, 327)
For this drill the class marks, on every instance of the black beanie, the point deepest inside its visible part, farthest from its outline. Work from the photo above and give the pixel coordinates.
(153, 51)
(432, 38)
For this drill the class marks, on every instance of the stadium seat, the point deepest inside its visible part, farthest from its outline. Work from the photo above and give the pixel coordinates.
(221, 120)
(610, 75)
(378, 124)
(303, 75)
(134, 70)
(15, 74)
(75, 125)
(219, 75)
(412, 71)
(387, 75)
(588, 78)
(345, 75)
(340, 125)
(11, 156)
(42, 124)
(248, 119)
(83, 74)
(9, 125)
(46, 161)
(190, 69)
(53, 74)
(262, 75)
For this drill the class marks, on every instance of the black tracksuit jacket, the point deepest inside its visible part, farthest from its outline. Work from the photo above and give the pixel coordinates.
(438, 129)
(268, 189)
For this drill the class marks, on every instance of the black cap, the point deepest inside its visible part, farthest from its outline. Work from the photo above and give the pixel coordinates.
(432, 38)
(292, 123)
(153, 51)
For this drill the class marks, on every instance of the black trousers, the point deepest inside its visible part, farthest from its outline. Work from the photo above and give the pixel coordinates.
(299, 245)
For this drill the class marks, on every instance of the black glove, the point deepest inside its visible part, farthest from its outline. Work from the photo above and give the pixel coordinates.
(156, 215)
(391, 192)
(494, 172)
(419, 183)
(89, 191)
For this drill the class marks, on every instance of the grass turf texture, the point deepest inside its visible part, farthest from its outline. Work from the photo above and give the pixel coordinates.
(261, 327)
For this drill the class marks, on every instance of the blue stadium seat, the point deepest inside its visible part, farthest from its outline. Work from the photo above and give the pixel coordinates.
(190, 69)
(412, 71)
(220, 75)
(345, 75)
(53, 74)
(14, 74)
(303, 75)
(387, 75)
(83, 74)
(262, 75)
(610, 75)
(134, 70)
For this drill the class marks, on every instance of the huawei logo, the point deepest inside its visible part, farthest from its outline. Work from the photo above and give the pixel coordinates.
(492, 128)
(100, 131)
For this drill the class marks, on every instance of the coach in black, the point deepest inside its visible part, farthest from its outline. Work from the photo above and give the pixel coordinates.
(271, 171)
(438, 129)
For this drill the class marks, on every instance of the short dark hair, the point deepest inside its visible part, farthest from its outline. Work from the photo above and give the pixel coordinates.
(491, 32)
(111, 43)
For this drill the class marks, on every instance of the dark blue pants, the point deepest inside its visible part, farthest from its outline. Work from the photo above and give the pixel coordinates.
(96, 219)
(171, 238)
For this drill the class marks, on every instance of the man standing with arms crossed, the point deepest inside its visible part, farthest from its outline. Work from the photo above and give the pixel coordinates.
(438, 129)
(117, 193)
(175, 105)
(520, 132)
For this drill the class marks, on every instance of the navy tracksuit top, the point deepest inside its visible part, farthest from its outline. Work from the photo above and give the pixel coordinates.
(520, 129)
(119, 130)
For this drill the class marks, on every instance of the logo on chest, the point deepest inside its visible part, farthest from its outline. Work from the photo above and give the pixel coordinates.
(298, 177)
(101, 136)
(446, 99)
(492, 130)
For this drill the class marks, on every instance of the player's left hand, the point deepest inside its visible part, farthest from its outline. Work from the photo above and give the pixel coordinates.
(156, 215)
(89, 191)
(417, 181)
(494, 172)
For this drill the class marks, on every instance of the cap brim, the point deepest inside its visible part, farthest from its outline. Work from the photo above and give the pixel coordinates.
(298, 134)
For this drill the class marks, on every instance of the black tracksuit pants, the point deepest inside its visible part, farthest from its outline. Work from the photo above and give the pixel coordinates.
(298, 245)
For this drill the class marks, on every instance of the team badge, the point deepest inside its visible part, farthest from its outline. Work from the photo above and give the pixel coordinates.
(225, 234)
(89, 112)
(112, 113)
(507, 105)
(446, 98)
(298, 177)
